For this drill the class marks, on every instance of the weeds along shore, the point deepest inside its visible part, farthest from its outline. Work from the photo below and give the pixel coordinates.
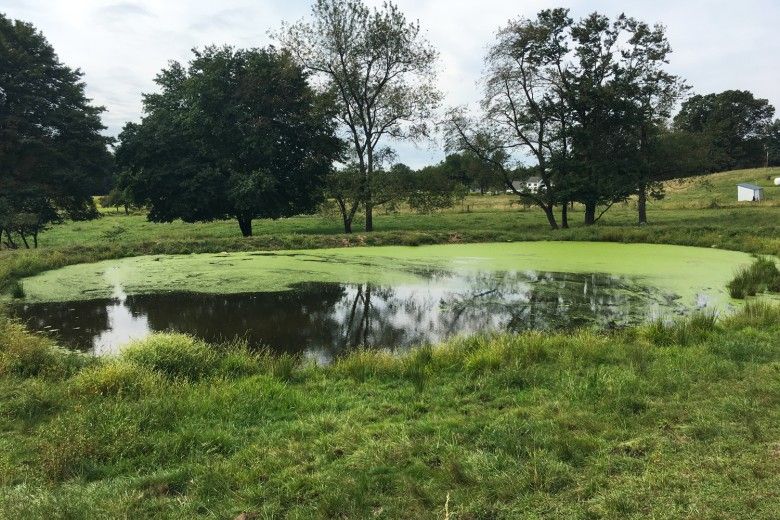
(630, 423)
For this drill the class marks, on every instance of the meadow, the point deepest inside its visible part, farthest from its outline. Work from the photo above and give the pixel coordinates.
(667, 420)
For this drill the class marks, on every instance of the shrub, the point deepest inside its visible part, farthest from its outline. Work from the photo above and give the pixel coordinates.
(761, 276)
(116, 378)
(16, 290)
(173, 355)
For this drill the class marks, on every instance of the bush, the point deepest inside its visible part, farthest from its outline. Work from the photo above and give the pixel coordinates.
(761, 276)
(173, 355)
(116, 378)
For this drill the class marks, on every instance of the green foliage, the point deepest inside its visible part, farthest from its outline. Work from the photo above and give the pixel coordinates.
(53, 156)
(117, 378)
(211, 144)
(682, 332)
(733, 122)
(761, 276)
(584, 424)
(27, 355)
(341, 45)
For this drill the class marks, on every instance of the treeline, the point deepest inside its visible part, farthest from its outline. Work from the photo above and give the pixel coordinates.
(584, 105)
(588, 104)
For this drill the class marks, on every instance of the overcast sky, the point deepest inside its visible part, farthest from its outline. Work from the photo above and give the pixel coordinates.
(121, 45)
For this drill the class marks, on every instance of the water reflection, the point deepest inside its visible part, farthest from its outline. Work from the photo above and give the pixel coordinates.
(325, 319)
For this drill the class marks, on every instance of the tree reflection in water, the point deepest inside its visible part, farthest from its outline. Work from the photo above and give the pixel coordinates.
(325, 319)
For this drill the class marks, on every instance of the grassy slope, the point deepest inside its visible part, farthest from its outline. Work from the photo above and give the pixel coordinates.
(659, 422)
(674, 422)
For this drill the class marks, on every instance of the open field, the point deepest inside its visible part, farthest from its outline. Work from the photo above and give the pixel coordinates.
(670, 421)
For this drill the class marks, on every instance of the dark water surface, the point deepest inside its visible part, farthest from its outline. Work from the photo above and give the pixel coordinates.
(321, 320)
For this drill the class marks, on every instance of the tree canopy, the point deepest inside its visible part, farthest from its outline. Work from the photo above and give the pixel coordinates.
(735, 123)
(234, 134)
(380, 68)
(52, 153)
(579, 100)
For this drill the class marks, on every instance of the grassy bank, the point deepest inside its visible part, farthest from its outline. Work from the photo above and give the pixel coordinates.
(666, 421)
(700, 211)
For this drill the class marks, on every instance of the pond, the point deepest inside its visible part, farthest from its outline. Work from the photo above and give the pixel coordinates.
(320, 303)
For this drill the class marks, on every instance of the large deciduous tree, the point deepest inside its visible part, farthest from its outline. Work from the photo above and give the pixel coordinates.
(381, 69)
(576, 98)
(734, 121)
(53, 157)
(235, 134)
(520, 104)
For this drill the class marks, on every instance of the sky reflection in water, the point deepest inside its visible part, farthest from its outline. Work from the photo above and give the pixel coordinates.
(321, 320)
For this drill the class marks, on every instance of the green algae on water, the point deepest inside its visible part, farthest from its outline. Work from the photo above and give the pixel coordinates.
(682, 272)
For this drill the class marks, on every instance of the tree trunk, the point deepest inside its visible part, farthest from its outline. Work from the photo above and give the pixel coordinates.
(347, 224)
(369, 201)
(24, 240)
(641, 205)
(369, 214)
(590, 213)
(245, 223)
(35, 239)
(548, 210)
(565, 215)
(10, 243)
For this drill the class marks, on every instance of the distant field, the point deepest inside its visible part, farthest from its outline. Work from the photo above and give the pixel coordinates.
(688, 201)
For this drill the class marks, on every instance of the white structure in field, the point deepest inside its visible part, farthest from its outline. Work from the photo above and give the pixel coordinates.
(777, 181)
(530, 185)
(749, 192)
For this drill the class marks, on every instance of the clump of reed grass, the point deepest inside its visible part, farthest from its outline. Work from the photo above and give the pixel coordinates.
(116, 378)
(24, 354)
(174, 356)
(759, 277)
(684, 331)
(16, 290)
(756, 313)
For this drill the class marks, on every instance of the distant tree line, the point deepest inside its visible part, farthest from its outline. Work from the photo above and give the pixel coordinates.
(588, 106)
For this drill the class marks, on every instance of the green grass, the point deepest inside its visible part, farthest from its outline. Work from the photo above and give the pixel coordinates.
(684, 217)
(672, 420)
(635, 424)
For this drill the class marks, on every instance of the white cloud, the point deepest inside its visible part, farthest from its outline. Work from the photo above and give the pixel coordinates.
(122, 45)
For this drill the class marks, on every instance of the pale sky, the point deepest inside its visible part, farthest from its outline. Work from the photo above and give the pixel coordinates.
(121, 45)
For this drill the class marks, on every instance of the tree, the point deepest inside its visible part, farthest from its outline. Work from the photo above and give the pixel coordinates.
(345, 187)
(519, 103)
(656, 91)
(380, 68)
(235, 134)
(734, 121)
(470, 171)
(773, 144)
(52, 153)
